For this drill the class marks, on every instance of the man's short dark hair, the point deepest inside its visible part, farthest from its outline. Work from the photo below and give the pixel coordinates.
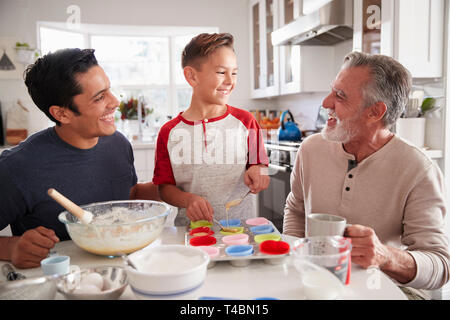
(51, 79)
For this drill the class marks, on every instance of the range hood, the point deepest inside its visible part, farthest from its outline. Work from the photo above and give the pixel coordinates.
(328, 25)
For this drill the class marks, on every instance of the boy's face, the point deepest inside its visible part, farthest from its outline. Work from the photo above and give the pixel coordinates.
(96, 105)
(217, 77)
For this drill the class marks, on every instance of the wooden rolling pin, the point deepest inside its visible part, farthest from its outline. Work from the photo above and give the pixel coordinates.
(83, 215)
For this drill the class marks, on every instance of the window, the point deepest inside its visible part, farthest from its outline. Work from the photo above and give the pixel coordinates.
(139, 60)
(54, 39)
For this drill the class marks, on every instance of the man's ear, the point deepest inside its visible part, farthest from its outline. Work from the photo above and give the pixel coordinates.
(61, 114)
(191, 75)
(376, 111)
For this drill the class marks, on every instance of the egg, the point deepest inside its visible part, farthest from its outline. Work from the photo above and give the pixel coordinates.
(87, 289)
(94, 279)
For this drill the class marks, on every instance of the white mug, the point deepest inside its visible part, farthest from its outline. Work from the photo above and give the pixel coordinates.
(324, 224)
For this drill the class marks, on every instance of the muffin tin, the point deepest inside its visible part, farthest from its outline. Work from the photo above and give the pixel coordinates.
(239, 254)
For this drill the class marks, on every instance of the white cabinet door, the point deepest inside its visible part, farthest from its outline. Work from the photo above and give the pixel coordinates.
(263, 55)
(298, 74)
(411, 31)
(421, 36)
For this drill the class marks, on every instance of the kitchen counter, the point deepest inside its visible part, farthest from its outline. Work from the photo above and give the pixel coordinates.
(258, 279)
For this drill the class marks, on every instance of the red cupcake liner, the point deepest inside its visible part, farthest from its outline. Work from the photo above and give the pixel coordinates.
(202, 241)
(201, 231)
(274, 247)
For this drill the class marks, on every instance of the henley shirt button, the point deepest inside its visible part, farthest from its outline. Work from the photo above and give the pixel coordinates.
(347, 189)
(350, 176)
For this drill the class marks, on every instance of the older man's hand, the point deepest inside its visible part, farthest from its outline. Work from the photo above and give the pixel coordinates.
(367, 250)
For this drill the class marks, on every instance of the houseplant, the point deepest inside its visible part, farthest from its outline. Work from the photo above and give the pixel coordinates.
(129, 109)
(411, 125)
(129, 113)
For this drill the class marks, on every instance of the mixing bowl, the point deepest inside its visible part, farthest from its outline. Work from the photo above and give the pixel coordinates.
(78, 285)
(167, 270)
(117, 227)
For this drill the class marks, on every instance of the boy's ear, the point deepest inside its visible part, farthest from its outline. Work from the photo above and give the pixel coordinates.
(63, 115)
(191, 76)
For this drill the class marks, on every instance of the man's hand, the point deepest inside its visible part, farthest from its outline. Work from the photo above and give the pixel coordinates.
(199, 208)
(33, 246)
(367, 250)
(257, 178)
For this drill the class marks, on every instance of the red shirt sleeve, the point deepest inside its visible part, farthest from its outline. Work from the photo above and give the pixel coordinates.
(163, 173)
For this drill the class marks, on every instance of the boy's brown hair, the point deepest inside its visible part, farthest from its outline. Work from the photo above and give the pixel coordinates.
(202, 46)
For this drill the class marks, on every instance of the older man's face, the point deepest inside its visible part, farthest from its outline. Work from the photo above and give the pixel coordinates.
(344, 105)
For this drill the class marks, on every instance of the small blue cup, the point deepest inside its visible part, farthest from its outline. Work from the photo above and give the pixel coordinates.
(56, 265)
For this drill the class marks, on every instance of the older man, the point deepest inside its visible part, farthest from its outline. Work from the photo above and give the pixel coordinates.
(388, 189)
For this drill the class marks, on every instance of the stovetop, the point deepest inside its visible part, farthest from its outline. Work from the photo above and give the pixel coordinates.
(284, 143)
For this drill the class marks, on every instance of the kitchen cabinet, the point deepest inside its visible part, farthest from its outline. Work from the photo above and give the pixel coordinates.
(298, 74)
(283, 70)
(263, 56)
(411, 31)
(144, 160)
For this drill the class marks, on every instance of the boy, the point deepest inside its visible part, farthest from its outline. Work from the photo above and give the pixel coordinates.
(208, 151)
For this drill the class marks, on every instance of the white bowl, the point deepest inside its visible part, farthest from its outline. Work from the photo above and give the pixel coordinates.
(114, 284)
(167, 270)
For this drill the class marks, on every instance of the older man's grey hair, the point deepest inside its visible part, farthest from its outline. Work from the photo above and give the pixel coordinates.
(390, 83)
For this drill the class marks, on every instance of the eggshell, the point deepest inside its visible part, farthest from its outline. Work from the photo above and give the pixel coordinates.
(94, 279)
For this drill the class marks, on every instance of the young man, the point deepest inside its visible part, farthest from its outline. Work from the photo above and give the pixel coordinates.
(212, 149)
(83, 156)
(388, 189)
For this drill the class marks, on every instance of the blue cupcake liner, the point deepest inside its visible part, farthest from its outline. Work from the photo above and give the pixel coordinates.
(231, 223)
(239, 250)
(262, 229)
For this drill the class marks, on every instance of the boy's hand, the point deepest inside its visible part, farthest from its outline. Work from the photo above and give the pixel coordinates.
(257, 178)
(199, 209)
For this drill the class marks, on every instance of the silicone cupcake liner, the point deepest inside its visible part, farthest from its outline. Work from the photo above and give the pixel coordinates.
(267, 236)
(226, 233)
(202, 241)
(211, 251)
(239, 250)
(274, 247)
(257, 221)
(201, 231)
(231, 223)
(262, 229)
(200, 223)
(235, 239)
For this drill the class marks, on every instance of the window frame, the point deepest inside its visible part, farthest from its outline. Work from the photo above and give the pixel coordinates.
(172, 32)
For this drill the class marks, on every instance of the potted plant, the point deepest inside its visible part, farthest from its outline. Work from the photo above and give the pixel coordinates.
(25, 54)
(411, 125)
(129, 113)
